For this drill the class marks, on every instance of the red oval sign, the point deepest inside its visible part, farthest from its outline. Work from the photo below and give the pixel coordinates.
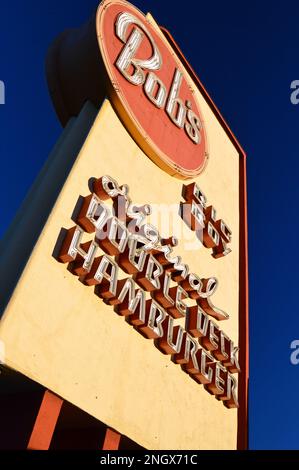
(151, 90)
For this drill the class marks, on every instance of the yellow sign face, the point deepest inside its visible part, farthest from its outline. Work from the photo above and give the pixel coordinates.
(137, 337)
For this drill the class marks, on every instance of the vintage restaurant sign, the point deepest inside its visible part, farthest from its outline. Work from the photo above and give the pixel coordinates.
(128, 296)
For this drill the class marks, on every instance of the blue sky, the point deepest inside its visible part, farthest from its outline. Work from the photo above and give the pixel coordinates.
(246, 55)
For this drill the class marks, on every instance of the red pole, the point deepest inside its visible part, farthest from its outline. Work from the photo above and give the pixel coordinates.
(45, 422)
(112, 440)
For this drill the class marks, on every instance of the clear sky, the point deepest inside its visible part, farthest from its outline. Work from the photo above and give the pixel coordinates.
(246, 54)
